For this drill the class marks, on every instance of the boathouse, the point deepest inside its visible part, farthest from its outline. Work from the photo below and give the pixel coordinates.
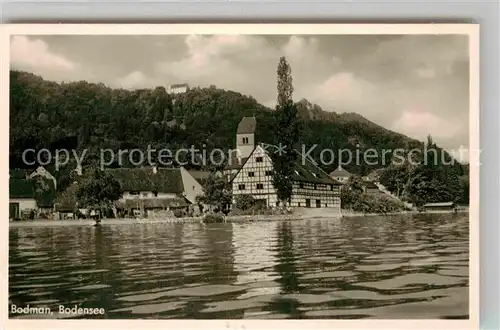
(440, 207)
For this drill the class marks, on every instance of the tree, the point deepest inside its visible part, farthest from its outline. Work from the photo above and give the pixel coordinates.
(98, 191)
(217, 193)
(286, 134)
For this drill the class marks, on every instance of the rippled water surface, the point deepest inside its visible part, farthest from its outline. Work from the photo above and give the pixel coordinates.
(372, 267)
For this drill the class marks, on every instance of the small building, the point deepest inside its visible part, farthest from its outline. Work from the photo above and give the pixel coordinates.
(178, 88)
(21, 198)
(370, 187)
(439, 207)
(340, 174)
(146, 190)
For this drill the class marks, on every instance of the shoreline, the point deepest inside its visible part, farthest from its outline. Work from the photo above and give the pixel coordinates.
(229, 219)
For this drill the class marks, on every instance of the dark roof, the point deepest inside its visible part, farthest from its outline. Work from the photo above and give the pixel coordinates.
(247, 125)
(18, 173)
(340, 172)
(166, 180)
(200, 176)
(306, 170)
(152, 203)
(21, 188)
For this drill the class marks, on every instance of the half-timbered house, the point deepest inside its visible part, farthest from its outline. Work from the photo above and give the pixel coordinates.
(252, 174)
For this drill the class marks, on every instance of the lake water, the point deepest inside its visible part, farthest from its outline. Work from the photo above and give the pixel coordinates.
(413, 266)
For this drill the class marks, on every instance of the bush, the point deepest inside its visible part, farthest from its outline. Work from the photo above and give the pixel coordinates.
(178, 213)
(213, 218)
(28, 214)
(244, 202)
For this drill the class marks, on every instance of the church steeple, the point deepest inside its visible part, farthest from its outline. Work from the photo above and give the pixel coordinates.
(245, 136)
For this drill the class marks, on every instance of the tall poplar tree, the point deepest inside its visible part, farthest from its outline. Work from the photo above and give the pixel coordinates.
(286, 134)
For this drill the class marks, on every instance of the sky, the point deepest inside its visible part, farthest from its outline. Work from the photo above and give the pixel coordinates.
(412, 84)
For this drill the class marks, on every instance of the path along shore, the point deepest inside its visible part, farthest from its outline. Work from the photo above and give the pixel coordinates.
(235, 218)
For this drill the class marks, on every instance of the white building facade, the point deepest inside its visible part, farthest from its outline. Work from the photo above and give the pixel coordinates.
(312, 187)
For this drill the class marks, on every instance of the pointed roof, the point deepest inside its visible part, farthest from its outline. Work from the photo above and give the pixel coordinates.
(247, 125)
(340, 172)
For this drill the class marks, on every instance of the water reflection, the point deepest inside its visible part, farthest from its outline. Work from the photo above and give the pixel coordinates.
(376, 267)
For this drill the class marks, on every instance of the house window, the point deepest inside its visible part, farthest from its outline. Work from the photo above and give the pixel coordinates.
(301, 185)
(155, 193)
(134, 193)
(299, 204)
(260, 186)
(144, 194)
(245, 140)
(251, 174)
(258, 159)
(241, 187)
(268, 173)
(331, 187)
(315, 187)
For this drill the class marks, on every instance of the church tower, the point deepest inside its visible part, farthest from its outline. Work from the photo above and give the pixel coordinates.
(245, 136)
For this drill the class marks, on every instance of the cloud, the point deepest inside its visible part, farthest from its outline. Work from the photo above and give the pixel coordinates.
(34, 55)
(426, 73)
(419, 123)
(135, 79)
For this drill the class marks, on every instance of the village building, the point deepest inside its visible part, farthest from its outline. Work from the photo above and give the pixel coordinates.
(370, 187)
(147, 190)
(21, 197)
(31, 192)
(178, 88)
(340, 175)
(440, 207)
(250, 173)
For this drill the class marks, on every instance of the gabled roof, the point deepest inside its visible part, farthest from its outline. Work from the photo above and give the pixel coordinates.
(18, 173)
(370, 185)
(165, 180)
(247, 125)
(340, 172)
(21, 188)
(310, 172)
(200, 176)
